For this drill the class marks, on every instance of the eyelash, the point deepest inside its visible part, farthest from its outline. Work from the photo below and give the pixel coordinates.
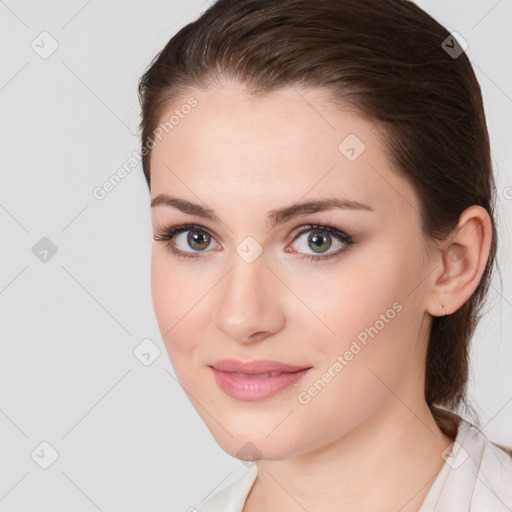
(167, 235)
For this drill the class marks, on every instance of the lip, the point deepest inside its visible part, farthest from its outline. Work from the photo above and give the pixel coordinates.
(255, 380)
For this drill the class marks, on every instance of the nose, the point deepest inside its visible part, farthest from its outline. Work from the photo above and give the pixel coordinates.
(248, 308)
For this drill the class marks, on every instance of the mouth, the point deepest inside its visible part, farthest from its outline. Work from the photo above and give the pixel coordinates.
(256, 380)
(256, 375)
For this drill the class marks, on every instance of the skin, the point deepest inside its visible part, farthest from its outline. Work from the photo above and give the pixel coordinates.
(369, 427)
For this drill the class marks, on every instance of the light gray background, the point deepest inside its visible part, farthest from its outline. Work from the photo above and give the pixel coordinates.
(126, 435)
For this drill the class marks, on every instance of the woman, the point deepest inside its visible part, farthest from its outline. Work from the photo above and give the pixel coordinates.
(322, 205)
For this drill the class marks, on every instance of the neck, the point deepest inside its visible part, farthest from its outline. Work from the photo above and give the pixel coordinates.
(388, 462)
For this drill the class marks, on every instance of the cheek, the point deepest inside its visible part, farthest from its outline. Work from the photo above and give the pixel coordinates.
(353, 296)
(365, 309)
(174, 296)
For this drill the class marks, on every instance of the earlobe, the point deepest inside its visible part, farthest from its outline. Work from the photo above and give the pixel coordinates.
(461, 262)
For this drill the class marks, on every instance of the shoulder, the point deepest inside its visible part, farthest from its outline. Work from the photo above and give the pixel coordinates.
(480, 476)
(493, 487)
(233, 497)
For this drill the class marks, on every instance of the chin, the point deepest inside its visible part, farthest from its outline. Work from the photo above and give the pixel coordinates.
(254, 448)
(252, 438)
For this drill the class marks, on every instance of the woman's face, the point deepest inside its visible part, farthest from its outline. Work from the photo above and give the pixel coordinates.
(244, 286)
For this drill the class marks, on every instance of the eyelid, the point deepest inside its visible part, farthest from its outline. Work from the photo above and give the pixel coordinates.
(168, 235)
(344, 238)
(327, 228)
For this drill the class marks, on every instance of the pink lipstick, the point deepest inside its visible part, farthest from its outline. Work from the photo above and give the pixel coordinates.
(255, 380)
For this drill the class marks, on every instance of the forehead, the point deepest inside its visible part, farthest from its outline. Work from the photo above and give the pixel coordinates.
(283, 145)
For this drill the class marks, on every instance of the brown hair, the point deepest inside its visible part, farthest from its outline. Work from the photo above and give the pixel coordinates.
(389, 60)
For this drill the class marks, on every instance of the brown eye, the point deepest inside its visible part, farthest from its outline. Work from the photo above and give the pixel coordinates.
(198, 239)
(187, 240)
(319, 242)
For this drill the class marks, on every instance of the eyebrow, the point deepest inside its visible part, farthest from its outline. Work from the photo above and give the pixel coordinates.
(274, 217)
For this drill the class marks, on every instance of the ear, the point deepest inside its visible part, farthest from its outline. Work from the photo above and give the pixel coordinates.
(460, 262)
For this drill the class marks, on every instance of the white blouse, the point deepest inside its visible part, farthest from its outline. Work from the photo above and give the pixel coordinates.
(476, 477)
